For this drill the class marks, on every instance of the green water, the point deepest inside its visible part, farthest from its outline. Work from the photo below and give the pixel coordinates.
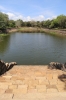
(33, 48)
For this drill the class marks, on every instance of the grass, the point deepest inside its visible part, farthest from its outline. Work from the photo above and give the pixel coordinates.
(55, 31)
(30, 29)
(52, 33)
(1, 35)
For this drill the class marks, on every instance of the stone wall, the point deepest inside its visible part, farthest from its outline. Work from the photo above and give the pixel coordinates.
(5, 66)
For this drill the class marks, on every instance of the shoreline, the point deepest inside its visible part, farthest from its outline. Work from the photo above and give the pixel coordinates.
(4, 67)
(54, 32)
(61, 32)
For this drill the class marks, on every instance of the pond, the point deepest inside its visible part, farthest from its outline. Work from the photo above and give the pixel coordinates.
(33, 48)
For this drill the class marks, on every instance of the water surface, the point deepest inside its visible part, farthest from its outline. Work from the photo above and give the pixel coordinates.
(33, 48)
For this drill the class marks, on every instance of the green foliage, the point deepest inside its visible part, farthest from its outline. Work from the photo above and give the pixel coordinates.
(11, 24)
(33, 23)
(59, 22)
(54, 24)
(3, 20)
(18, 23)
(28, 24)
(38, 24)
(47, 23)
(3, 34)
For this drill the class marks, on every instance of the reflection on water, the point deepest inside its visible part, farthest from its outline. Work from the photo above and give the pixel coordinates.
(4, 44)
(33, 48)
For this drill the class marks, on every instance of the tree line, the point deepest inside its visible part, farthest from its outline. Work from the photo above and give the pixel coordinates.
(5, 22)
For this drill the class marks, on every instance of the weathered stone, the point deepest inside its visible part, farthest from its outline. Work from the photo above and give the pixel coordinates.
(38, 74)
(2, 79)
(55, 76)
(51, 86)
(56, 65)
(31, 82)
(1, 63)
(2, 91)
(20, 91)
(53, 82)
(3, 69)
(41, 88)
(3, 86)
(6, 96)
(8, 91)
(22, 86)
(41, 78)
(61, 88)
(32, 90)
(5, 66)
(43, 82)
(52, 90)
(13, 87)
(18, 82)
(60, 82)
(11, 65)
(7, 77)
(49, 76)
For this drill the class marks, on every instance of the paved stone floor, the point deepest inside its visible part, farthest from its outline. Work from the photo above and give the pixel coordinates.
(33, 83)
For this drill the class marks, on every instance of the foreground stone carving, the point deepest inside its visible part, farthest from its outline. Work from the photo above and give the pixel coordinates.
(5, 66)
(57, 65)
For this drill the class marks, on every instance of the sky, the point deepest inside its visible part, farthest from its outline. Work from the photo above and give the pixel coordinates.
(37, 10)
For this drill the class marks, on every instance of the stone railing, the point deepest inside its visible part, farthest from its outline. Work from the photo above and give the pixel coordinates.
(5, 66)
(57, 65)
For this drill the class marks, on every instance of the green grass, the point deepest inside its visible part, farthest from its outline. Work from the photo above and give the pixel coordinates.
(53, 33)
(1, 35)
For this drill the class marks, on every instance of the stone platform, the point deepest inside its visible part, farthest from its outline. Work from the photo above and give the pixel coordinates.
(33, 83)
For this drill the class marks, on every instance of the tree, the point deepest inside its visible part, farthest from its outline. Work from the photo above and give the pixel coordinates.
(61, 21)
(28, 24)
(47, 23)
(24, 24)
(18, 23)
(11, 23)
(42, 24)
(33, 23)
(38, 24)
(3, 20)
(54, 24)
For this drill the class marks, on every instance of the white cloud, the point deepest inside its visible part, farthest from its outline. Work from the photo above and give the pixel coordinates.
(53, 17)
(11, 15)
(37, 18)
(14, 16)
(28, 18)
(50, 18)
(40, 18)
(46, 14)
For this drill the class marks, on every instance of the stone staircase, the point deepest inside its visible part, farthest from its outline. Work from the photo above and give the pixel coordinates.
(33, 83)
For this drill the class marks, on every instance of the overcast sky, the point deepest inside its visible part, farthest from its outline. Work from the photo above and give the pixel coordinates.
(33, 9)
